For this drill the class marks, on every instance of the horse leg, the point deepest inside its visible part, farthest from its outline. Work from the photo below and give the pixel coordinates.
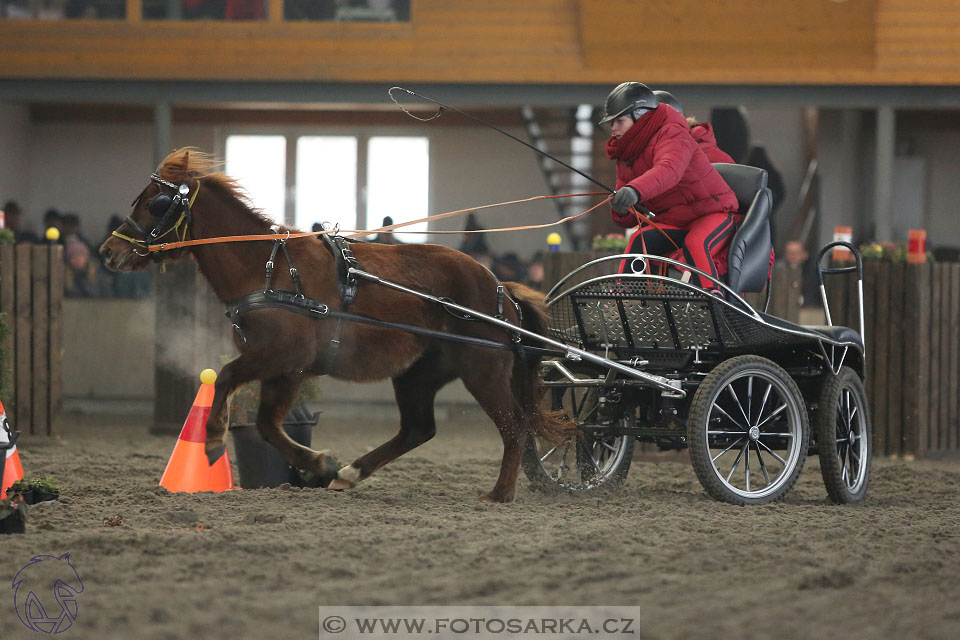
(276, 398)
(415, 390)
(491, 387)
(233, 375)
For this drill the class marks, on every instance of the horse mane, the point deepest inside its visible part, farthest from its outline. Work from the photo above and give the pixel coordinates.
(190, 163)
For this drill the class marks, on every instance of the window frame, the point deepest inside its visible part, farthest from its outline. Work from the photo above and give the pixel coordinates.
(363, 135)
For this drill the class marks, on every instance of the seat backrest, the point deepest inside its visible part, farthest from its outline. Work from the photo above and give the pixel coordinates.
(745, 182)
(748, 260)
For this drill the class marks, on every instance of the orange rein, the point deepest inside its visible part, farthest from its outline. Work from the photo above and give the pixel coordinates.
(170, 246)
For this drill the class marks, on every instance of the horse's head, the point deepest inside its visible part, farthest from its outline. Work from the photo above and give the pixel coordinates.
(161, 214)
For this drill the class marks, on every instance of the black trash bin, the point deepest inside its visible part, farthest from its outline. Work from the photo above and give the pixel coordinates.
(258, 462)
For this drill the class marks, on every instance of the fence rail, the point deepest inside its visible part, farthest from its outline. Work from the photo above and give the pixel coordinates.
(31, 299)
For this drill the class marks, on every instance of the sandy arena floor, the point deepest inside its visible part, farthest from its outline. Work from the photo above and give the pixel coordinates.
(256, 564)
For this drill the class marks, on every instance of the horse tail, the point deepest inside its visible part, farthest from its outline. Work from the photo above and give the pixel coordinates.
(526, 382)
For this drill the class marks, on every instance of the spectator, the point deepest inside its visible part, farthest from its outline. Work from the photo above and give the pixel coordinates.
(474, 244)
(125, 284)
(80, 278)
(385, 237)
(758, 158)
(52, 218)
(14, 222)
(245, 10)
(508, 268)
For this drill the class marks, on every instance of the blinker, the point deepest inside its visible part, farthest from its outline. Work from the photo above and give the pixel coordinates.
(159, 205)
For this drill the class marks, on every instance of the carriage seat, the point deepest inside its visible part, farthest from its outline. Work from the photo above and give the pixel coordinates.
(835, 333)
(748, 260)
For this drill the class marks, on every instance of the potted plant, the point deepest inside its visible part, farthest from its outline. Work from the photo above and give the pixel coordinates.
(36, 489)
(259, 464)
(13, 514)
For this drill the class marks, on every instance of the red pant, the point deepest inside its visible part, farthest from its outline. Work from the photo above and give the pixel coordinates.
(702, 244)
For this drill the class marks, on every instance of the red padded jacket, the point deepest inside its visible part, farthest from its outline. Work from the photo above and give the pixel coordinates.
(659, 158)
(702, 132)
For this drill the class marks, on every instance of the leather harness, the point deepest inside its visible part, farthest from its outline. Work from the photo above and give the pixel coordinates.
(347, 287)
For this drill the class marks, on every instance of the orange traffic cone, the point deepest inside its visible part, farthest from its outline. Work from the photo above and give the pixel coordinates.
(188, 470)
(10, 468)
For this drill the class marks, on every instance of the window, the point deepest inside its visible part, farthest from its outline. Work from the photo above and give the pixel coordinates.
(60, 9)
(350, 181)
(204, 9)
(326, 181)
(347, 10)
(398, 178)
(258, 163)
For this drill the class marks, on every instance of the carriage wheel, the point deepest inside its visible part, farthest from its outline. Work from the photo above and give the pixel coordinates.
(844, 437)
(586, 461)
(748, 431)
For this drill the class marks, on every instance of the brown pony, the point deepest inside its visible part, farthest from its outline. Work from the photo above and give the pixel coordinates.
(282, 348)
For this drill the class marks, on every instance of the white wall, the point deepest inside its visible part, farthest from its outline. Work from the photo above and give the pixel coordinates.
(95, 170)
(939, 149)
(471, 167)
(15, 135)
(780, 131)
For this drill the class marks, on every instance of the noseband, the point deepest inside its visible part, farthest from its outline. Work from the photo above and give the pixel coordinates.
(164, 210)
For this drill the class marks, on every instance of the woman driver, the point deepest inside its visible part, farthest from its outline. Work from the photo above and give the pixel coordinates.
(660, 166)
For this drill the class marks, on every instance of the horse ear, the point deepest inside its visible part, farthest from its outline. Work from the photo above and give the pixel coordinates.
(186, 164)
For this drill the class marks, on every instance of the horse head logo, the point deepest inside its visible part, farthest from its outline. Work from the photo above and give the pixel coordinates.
(37, 609)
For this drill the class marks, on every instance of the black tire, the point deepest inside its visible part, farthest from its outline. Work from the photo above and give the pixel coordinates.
(751, 406)
(844, 436)
(587, 461)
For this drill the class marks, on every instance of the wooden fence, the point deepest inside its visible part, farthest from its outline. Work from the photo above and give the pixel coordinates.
(912, 330)
(31, 299)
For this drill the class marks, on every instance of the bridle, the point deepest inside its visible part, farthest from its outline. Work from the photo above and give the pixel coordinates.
(163, 209)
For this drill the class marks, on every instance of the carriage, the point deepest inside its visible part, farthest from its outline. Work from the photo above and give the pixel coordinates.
(629, 356)
(750, 395)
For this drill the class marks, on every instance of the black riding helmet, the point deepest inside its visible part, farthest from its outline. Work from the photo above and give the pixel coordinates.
(665, 97)
(627, 97)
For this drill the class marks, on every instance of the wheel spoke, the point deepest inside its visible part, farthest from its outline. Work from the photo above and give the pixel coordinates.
(725, 433)
(746, 464)
(773, 453)
(776, 412)
(771, 433)
(763, 403)
(749, 398)
(763, 466)
(728, 416)
(736, 463)
(737, 400)
(594, 462)
(714, 459)
(548, 454)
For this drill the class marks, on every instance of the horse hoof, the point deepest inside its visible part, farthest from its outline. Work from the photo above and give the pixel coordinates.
(346, 478)
(492, 499)
(214, 454)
